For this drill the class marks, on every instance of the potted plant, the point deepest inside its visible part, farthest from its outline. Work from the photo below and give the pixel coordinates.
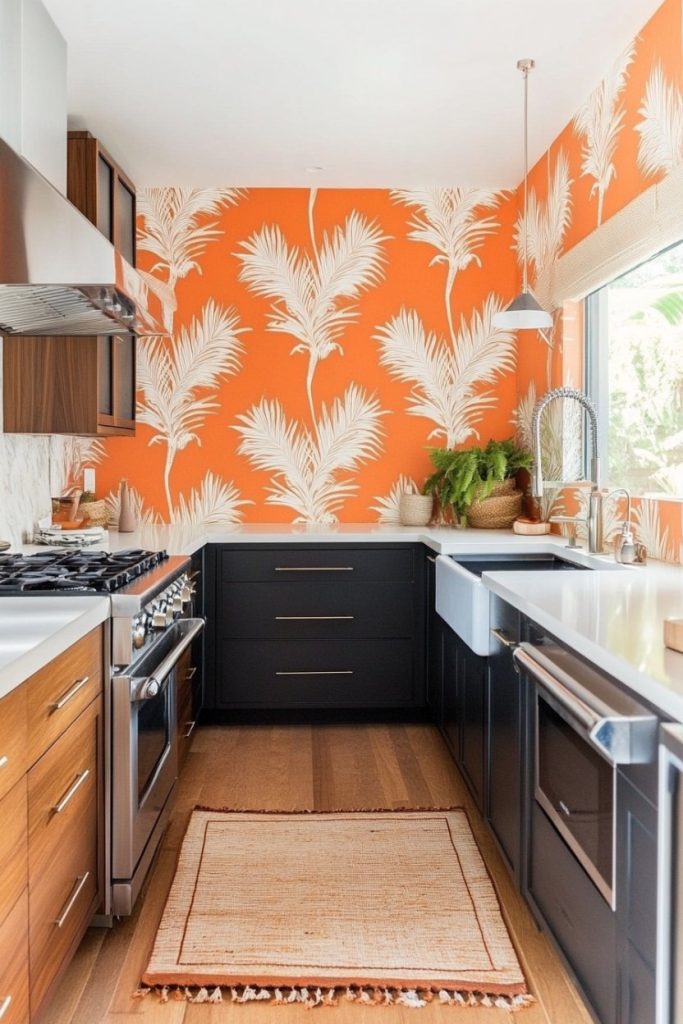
(478, 483)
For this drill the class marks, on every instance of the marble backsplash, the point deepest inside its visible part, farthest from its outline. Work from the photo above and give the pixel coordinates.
(32, 469)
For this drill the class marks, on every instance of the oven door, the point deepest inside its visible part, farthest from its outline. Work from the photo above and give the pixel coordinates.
(144, 749)
(584, 726)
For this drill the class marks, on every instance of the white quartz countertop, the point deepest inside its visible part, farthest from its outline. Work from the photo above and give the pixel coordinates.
(613, 618)
(34, 630)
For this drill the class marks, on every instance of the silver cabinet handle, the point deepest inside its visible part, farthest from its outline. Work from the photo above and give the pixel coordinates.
(192, 672)
(4, 761)
(4, 1006)
(190, 729)
(314, 618)
(430, 558)
(319, 672)
(78, 888)
(70, 693)
(71, 791)
(313, 568)
(502, 638)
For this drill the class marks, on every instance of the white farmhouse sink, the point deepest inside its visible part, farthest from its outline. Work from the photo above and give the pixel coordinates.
(464, 601)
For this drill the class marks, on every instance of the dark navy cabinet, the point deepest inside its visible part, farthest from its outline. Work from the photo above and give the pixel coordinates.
(505, 741)
(299, 626)
(636, 852)
(464, 711)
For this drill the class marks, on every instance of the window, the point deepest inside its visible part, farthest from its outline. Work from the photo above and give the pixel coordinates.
(634, 369)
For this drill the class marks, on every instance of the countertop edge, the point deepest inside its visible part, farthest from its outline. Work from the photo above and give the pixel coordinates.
(54, 641)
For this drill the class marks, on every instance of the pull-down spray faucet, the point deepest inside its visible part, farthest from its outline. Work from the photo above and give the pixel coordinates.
(594, 518)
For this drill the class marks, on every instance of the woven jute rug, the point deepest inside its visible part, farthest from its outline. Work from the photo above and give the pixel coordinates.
(382, 907)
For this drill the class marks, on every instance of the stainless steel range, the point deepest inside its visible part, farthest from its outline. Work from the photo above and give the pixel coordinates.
(151, 626)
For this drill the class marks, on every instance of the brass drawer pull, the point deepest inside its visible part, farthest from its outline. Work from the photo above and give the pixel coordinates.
(71, 791)
(4, 1006)
(4, 761)
(70, 693)
(319, 672)
(314, 618)
(313, 568)
(190, 726)
(78, 888)
(192, 672)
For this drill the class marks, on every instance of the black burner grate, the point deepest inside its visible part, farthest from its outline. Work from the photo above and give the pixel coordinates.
(74, 571)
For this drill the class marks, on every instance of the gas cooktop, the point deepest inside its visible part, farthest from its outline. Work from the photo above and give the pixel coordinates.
(69, 571)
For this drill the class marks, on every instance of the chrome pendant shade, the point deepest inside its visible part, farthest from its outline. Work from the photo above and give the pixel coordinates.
(524, 312)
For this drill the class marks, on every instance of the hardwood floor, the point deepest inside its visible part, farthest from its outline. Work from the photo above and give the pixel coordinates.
(321, 767)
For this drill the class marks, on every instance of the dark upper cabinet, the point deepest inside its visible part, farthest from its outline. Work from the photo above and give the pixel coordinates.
(79, 385)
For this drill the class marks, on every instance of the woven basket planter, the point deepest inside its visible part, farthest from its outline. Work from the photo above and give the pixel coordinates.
(499, 510)
(415, 509)
(94, 512)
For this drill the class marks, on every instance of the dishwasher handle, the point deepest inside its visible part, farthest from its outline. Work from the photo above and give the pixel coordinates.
(619, 738)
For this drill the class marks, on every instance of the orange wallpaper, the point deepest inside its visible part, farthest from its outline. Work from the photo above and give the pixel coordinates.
(348, 348)
(321, 342)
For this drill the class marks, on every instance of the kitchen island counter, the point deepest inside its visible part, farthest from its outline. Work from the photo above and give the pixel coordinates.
(35, 630)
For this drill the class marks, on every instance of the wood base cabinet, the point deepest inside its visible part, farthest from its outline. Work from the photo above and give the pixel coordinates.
(307, 626)
(51, 824)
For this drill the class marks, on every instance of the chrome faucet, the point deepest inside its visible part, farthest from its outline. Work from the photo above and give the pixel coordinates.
(594, 518)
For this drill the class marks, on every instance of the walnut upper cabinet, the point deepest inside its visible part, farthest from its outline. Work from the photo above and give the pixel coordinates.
(79, 385)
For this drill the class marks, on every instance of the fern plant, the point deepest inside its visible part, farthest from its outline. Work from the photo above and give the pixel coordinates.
(466, 475)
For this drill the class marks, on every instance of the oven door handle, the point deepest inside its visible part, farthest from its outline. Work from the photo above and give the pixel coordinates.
(149, 687)
(620, 739)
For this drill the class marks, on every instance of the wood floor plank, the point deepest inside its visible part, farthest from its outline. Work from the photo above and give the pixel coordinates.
(322, 767)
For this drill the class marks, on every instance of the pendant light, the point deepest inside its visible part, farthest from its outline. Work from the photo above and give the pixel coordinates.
(524, 312)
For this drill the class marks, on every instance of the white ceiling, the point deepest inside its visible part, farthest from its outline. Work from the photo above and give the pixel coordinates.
(377, 93)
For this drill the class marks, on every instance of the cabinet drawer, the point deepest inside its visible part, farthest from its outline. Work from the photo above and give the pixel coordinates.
(14, 964)
(13, 873)
(577, 915)
(62, 789)
(317, 610)
(61, 903)
(13, 738)
(316, 563)
(316, 673)
(62, 690)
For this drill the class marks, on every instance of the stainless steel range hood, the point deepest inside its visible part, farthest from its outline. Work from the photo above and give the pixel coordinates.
(58, 273)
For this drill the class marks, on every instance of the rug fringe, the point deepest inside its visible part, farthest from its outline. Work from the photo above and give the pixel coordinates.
(412, 998)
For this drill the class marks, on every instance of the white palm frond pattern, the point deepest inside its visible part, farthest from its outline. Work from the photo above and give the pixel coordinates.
(447, 379)
(648, 530)
(306, 464)
(450, 220)
(660, 147)
(171, 230)
(387, 507)
(599, 121)
(314, 296)
(172, 374)
(216, 503)
(77, 453)
(547, 223)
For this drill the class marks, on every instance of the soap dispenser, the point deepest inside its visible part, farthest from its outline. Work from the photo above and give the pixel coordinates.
(626, 551)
